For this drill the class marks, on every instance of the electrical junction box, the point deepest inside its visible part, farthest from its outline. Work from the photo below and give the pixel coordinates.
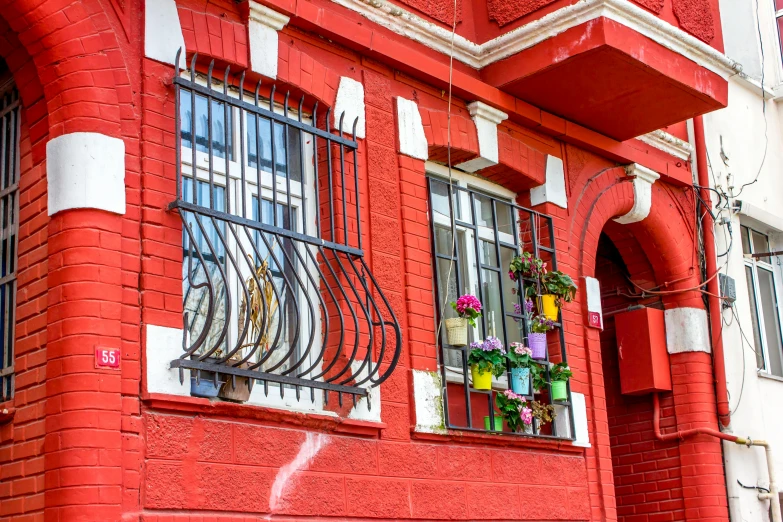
(728, 290)
(641, 352)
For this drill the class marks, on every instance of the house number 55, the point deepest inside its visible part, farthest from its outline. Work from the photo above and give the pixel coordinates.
(107, 358)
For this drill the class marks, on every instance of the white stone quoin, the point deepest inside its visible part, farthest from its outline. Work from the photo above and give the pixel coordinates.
(428, 401)
(350, 100)
(553, 190)
(162, 32)
(412, 140)
(163, 346)
(486, 119)
(686, 330)
(263, 25)
(593, 291)
(643, 179)
(85, 170)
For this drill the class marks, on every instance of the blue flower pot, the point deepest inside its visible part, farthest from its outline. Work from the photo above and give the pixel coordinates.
(205, 387)
(520, 380)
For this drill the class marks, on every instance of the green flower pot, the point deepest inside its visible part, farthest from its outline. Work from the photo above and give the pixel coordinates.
(559, 391)
(498, 423)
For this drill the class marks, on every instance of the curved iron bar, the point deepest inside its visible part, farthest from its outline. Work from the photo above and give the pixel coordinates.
(331, 290)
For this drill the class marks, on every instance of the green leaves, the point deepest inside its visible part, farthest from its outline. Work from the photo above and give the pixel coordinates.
(559, 284)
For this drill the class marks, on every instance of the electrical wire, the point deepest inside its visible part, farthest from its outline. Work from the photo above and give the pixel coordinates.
(763, 105)
(448, 160)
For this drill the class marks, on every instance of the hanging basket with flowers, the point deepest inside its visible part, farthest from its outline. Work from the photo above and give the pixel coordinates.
(468, 309)
(536, 339)
(486, 358)
(520, 358)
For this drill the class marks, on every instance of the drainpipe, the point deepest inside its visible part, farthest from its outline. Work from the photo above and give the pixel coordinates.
(713, 287)
(773, 495)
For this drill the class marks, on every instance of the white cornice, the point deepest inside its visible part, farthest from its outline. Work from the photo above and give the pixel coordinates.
(667, 143)
(407, 24)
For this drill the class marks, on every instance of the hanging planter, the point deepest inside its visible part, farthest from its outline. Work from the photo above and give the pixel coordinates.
(550, 306)
(559, 375)
(468, 309)
(520, 380)
(457, 331)
(486, 358)
(538, 345)
(520, 358)
(515, 410)
(498, 423)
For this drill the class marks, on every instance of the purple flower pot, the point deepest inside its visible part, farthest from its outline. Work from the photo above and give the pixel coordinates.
(537, 344)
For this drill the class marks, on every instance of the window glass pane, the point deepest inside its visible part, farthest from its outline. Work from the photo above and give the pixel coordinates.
(490, 286)
(484, 216)
(220, 126)
(505, 217)
(440, 198)
(771, 321)
(443, 240)
(488, 255)
(287, 155)
(745, 233)
(754, 318)
(510, 287)
(760, 244)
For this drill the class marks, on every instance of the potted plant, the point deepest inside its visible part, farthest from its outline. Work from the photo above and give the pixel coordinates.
(538, 376)
(559, 374)
(515, 411)
(536, 339)
(468, 309)
(543, 413)
(520, 357)
(558, 288)
(526, 265)
(498, 423)
(486, 358)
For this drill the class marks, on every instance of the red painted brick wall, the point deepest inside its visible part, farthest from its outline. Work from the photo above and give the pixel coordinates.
(646, 471)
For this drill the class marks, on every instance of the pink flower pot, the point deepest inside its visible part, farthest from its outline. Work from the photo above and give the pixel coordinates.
(537, 344)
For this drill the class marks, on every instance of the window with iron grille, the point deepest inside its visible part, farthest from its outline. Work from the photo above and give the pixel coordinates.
(276, 290)
(763, 296)
(477, 229)
(9, 216)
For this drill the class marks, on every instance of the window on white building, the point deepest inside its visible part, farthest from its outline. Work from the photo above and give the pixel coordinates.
(763, 298)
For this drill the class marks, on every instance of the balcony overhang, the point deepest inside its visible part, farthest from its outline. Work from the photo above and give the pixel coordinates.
(610, 78)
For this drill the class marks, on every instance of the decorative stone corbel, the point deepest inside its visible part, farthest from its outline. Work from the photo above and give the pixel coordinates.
(643, 179)
(263, 25)
(553, 190)
(163, 32)
(486, 119)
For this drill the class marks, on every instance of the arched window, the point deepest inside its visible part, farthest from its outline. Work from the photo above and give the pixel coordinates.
(9, 225)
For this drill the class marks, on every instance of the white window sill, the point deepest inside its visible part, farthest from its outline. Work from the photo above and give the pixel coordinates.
(766, 375)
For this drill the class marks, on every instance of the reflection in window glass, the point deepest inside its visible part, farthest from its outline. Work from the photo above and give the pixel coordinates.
(771, 322)
(220, 129)
(754, 318)
(287, 155)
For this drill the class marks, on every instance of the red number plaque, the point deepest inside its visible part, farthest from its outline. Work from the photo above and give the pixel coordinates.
(107, 358)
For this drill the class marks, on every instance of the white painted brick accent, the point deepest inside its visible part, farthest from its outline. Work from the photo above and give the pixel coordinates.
(350, 99)
(593, 291)
(163, 346)
(553, 190)
(85, 170)
(162, 32)
(263, 25)
(412, 140)
(686, 330)
(428, 402)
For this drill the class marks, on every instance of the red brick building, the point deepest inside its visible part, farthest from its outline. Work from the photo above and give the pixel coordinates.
(275, 222)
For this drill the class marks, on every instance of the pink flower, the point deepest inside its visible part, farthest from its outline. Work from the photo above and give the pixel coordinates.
(468, 301)
(512, 275)
(511, 395)
(522, 350)
(526, 414)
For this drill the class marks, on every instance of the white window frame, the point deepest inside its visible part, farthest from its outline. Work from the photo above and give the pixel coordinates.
(471, 182)
(273, 398)
(756, 264)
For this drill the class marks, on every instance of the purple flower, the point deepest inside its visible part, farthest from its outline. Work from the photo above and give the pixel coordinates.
(492, 343)
(528, 305)
(468, 301)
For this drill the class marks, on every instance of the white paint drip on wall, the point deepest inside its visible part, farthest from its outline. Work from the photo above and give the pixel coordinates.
(313, 443)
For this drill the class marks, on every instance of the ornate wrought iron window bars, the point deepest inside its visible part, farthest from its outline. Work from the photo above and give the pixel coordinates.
(266, 295)
(489, 231)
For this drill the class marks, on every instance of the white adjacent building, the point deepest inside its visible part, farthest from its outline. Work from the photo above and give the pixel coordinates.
(745, 156)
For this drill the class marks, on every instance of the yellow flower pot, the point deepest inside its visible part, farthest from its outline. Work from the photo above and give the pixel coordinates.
(481, 380)
(549, 305)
